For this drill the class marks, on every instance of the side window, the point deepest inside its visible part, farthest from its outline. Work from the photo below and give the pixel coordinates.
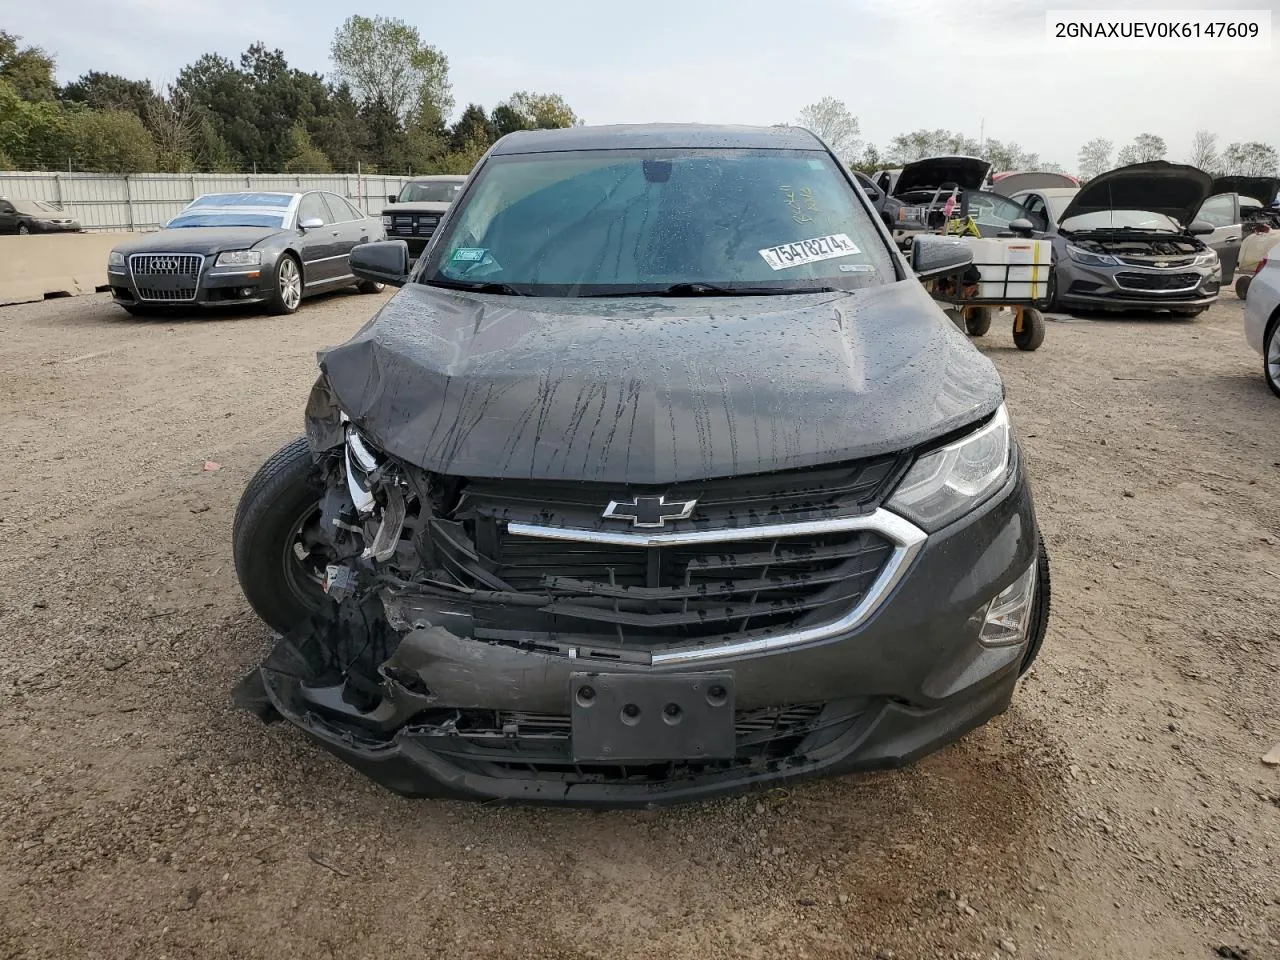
(339, 209)
(6, 207)
(1036, 211)
(313, 207)
(1220, 211)
(356, 212)
(991, 210)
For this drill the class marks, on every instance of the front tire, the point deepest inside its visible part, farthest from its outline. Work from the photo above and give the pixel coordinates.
(271, 523)
(23, 230)
(370, 286)
(1242, 287)
(1271, 356)
(286, 293)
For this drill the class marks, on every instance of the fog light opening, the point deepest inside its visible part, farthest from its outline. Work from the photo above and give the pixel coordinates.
(1009, 613)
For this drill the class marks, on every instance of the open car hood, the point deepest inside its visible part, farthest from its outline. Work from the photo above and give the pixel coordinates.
(1010, 183)
(1262, 189)
(968, 173)
(1174, 189)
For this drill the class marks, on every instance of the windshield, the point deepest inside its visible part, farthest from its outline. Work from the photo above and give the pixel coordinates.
(430, 192)
(1121, 220)
(235, 210)
(1058, 203)
(684, 222)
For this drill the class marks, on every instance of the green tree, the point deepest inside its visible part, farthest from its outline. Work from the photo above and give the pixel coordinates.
(34, 133)
(832, 120)
(29, 70)
(110, 91)
(1145, 147)
(919, 144)
(1251, 159)
(174, 124)
(305, 156)
(385, 61)
(109, 141)
(1094, 158)
(470, 130)
(540, 111)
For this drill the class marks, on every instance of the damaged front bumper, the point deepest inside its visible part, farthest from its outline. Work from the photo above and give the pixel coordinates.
(444, 714)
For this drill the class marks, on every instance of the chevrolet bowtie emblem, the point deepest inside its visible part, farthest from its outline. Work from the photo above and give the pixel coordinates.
(649, 511)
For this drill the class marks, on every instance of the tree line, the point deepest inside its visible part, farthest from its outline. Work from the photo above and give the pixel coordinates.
(382, 109)
(832, 120)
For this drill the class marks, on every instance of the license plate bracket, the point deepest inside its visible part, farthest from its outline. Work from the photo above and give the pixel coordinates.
(624, 717)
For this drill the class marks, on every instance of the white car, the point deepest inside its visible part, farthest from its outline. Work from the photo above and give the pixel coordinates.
(1262, 319)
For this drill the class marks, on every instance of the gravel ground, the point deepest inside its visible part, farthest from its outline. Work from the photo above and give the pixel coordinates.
(1120, 809)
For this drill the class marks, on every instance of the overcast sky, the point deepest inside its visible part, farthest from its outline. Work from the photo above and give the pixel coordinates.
(899, 64)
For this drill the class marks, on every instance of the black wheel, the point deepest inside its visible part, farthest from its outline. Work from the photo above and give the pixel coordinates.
(1039, 611)
(1032, 333)
(1242, 287)
(978, 320)
(1271, 356)
(370, 286)
(141, 309)
(23, 230)
(276, 538)
(1228, 276)
(287, 292)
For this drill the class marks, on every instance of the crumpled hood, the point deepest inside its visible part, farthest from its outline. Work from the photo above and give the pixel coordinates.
(204, 240)
(1176, 190)
(645, 391)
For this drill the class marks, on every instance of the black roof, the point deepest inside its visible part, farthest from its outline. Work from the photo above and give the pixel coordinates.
(631, 136)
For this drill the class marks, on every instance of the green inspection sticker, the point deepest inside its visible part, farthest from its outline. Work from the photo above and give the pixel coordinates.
(469, 254)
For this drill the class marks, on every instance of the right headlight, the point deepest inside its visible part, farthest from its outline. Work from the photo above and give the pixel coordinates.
(947, 483)
(115, 259)
(386, 220)
(1091, 259)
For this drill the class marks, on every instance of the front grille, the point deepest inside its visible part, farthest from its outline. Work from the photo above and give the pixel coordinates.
(578, 591)
(414, 224)
(1165, 262)
(531, 746)
(168, 277)
(1158, 281)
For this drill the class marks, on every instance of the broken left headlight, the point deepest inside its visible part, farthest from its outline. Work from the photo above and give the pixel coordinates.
(361, 463)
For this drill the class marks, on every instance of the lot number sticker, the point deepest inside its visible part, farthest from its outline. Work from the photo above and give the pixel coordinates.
(809, 251)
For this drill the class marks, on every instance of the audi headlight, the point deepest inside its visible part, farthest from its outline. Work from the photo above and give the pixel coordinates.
(1091, 259)
(947, 483)
(115, 259)
(239, 258)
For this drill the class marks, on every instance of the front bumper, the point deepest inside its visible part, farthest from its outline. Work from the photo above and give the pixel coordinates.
(1105, 288)
(45, 226)
(906, 681)
(214, 287)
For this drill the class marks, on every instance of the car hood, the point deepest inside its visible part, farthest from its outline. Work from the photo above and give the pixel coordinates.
(1262, 189)
(1174, 189)
(969, 173)
(197, 240)
(652, 391)
(420, 207)
(1011, 183)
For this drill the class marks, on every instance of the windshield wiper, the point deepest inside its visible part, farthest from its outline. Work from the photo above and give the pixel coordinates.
(713, 290)
(477, 286)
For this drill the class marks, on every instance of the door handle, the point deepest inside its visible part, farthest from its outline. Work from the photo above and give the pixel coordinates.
(1232, 240)
(336, 233)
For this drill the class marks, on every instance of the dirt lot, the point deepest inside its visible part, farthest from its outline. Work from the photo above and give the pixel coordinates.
(1120, 809)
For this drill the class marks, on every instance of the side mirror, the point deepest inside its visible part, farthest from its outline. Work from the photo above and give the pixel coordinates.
(1199, 228)
(311, 223)
(934, 256)
(1021, 225)
(392, 197)
(383, 261)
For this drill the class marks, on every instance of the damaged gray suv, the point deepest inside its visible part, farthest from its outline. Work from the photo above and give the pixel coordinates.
(661, 476)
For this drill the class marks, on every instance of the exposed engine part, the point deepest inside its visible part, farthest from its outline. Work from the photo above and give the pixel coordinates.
(1140, 245)
(384, 543)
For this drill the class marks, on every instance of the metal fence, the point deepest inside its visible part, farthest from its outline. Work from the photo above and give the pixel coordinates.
(146, 201)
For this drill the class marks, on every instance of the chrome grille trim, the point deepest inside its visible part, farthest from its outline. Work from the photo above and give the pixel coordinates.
(149, 266)
(906, 537)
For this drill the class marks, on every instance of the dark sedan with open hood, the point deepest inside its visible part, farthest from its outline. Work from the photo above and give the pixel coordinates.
(242, 248)
(661, 476)
(1128, 240)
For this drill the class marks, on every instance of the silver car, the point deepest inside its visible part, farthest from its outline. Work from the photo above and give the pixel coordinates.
(1129, 240)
